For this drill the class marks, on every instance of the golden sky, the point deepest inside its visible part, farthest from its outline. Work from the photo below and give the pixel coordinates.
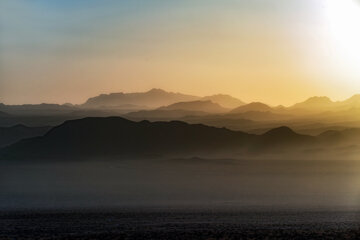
(275, 51)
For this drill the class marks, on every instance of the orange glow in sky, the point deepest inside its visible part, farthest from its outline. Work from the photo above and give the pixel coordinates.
(278, 52)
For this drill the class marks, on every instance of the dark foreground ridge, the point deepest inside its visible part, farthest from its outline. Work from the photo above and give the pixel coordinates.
(118, 136)
(9, 135)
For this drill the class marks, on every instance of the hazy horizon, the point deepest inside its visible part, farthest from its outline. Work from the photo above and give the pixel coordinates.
(147, 90)
(277, 52)
(238, 119)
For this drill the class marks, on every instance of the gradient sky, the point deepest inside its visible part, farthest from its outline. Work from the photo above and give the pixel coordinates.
(276, 51)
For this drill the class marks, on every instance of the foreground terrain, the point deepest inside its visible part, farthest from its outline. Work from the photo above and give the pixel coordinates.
(179, 224)
(179, 199)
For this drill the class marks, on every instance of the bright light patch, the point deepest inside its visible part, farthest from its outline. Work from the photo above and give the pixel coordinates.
(343, 17)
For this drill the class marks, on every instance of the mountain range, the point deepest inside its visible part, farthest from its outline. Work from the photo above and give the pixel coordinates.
(160, 99)
(115, 136)
(252, 107)
(155, 98)
(326, 104)
(312, 116)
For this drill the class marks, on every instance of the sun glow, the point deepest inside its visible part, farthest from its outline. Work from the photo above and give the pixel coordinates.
(343, 18)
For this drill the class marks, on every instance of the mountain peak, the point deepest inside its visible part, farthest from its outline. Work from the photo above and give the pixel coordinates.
(257, 104)
(153, 98)
(254, 106)
(315, 103)
(353, 99)
(318, 99)
(281, 131)
(156, 90)
(225, 100)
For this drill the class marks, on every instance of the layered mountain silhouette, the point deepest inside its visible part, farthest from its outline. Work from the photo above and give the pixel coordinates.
(354, 101)
(275, 137)
(196, 106)
(179, 110)
(315, 104)
(9, 135)
(159, 114)
(155, 98)
(115, 136)
(226, 101)
(313, 116)
(343, 136)
(252, 107)
(260, 116)
(36, 109)
(118, 136)
(324, 104)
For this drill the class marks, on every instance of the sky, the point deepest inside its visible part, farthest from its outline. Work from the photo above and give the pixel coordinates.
(274, 51)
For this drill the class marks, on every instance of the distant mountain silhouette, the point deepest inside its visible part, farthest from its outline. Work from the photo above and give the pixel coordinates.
(281, 139)
(342, 136)
(323, 104)
(116, 136)
(354, 101)
(197, 106)
(36, 109)
(159, 114)
(331, 136)
(153, 98)
(233, 123)
(9, 135)
(254, 117)
(315, 103)
(40, 117)
(253, 107)
(226, 101)
(259, 116)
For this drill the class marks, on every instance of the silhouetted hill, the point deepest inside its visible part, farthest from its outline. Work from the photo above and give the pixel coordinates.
(352, 103)
(196, 106)
(252, 107)
(114, 136)
(346, 135)
(53, 117)
(226, 101)
(286, 134)
(282, 138)
(315, 104)
(259, 116)
(153, 98)
(9, 135)
(36, 109)
(155, 115)
(236, 124)
(314, 110)
(118, 136)
(323, 104)
(331, 136)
